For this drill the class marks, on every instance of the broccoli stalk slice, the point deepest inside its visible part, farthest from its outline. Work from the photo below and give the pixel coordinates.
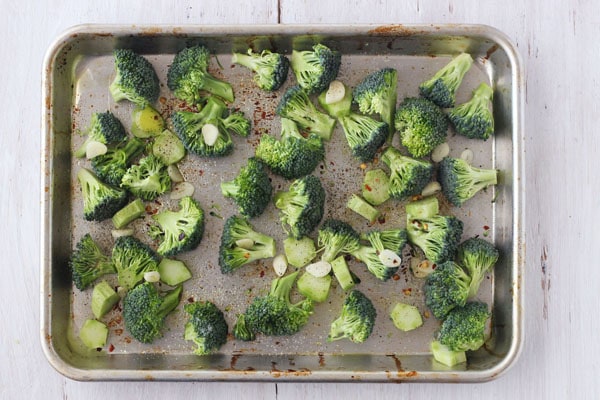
(170, 301)
(441, 88)
(474, 119)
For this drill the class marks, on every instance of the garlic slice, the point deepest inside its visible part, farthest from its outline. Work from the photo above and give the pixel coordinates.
(210, 134)
(335, 93)
(319, 269)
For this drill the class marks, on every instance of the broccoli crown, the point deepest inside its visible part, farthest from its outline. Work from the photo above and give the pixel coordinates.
(391, 239)
(251, 189)
(188, 77)
(302, 206)
(441, 88)
(274, 314)
(242, 330)
(445, 288)
(148, 179)
(111, 166)
(100, 200)
(408, 176)
(296, 105)
(421, 124)
(316, 68)
(293, 156)
(237, 123)
(145, 309)
(460, 181)
(270, 68)
(376, 94)
(364, 135)
(464, 327)
(356, 319)
(336, 237)
(135, 79)
(438, 236)
(132, 259)
(104, 128)
(89, 263)
(474, 119)
(233, 256)
(180, 230)
(206, 327)
(476, 256)
(370, 256)
(188, 126)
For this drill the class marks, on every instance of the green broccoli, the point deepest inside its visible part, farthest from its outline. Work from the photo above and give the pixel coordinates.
(437, 236)
(104, 128)
(241, 329)
(474, 119)
(188, 77)
(337, 237)
(408, 176)
(364, 135)
(476, 256)
(293, 156)
(274, 314)
(441, 88)
(422, 126)
(180, 230)
(251, 189)
(316, 68)
(302, 206)
(464, 328)
(390, 239)
(206, 327)
(356, 320)
(270, 68)
(460, 181)
(132, 259)
(237, 123)
(296, 105)
(100, 200)
(148, 179)
(89, 263)
(377, 94)
(241, 245)
(111, 167)
(445, 288)
(135, 79)
(145, 309)
(370, 257)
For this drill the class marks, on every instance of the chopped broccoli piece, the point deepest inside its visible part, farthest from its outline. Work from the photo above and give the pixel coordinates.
(173, 272)
(132, 259)
(445, 288)
(364, 135)
(148, 179)
(251, 189)
(464, 327)
(390, 239)
(441, 88)
(130, 212)
(423, 208)
(344, 276)
(231, 255)
(337, 237)
(180, 230)
(206, 327)
(408, 176)
(376, 186)
(437, 236)
(241, 329)
(237, 123)
(460, 181)
(340, 107)
(270, 68)
(444, 355)
(168, 148)
(476, 256)
(89, 263)
(302, 206)
(370, 257)
(111, 167)
(188, 77)
(362, 208)
(474, 119)
(299, 252)
(296, 105)
(422, 126)
(377, 94)
(93, 334)
(104, 299)
(104, 128)
(100, 200)
(316, 68)
(135, 79)
(406, 317)
(314, 288)
(356, 320)
(146, 122)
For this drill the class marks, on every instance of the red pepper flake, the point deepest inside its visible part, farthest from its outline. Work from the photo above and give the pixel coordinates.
(381, 219)
(246, 255)
(396, 277)
(486, 228)
(262, 273)
(111, 348)
(407, 291)
(118, 331)
(162, 100)
(369, 188)
(190, 299)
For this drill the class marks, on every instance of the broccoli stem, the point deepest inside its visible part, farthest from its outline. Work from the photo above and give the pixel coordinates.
(230, 189)
(281, 287)
(218, 88)
(244, 60)
(170, 301)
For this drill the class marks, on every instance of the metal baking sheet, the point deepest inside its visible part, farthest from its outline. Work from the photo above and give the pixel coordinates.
(77, 72)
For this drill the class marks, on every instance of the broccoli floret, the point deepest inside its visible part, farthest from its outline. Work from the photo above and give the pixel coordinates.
(237, 123)
(476, 256)
(445, 288)
(460, 181)
(180, 230)
(370, 257)
(422, 126)
(135, 80)
(270, 69)
(356, 319)
(316, 68)
(390, 239)
(145, 309)
(206, 327)
(296, 105)
(302, 206)
(132, 259)
(241, 245)
(274, 314)
(441, 88)
(437, 236)
(464, 328)
(241, 329)
(104, 128)
(251, 189)
(376, 94)
(364, 135)
(293, 156)
(474, 119)
(148, 179)
(89, 263)
(111, 167)
(408, 176)
(188, 77)
(336, 237)
(100, 200)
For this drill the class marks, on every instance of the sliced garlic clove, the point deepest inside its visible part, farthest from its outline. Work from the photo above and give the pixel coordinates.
(152, 276)
(440, 152)
(181, 190)
(431, 189)
(174, 173)
(210, 134)
(389, 258)
(335, 93)
(319, 269)
(117, 233)
(245, 243)
(467, 155)
(280, 264)
(95, 149)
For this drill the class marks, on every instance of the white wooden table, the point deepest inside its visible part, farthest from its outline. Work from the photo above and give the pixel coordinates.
(558, 42)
